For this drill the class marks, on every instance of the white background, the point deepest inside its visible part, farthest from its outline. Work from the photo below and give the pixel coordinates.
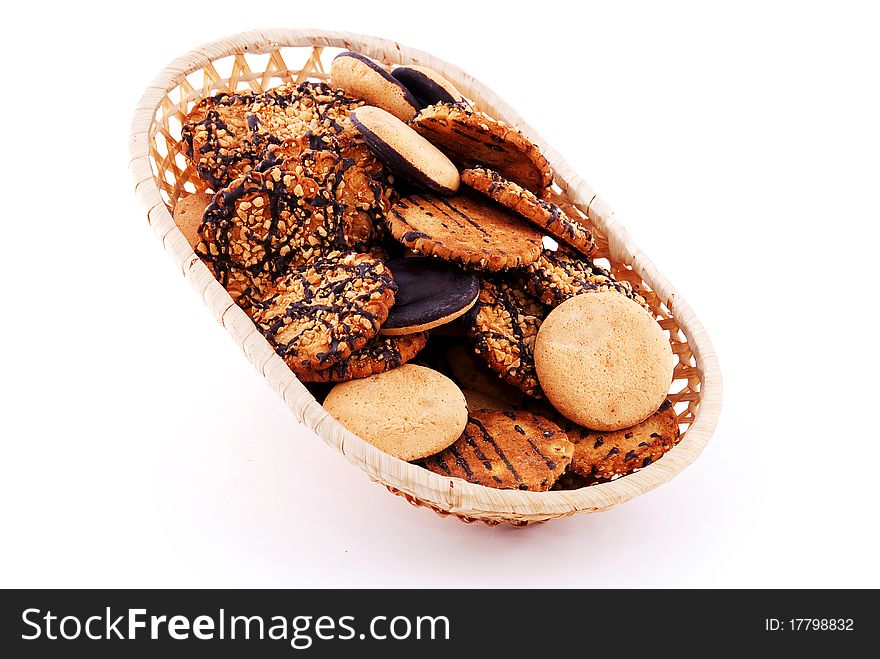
(741, 149)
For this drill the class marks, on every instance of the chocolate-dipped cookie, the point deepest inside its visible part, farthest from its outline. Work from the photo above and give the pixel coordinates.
(469, 231)
(430, 293)
(428, 86)
(405, 152)
(474, 139)
(550, 217)
(364, 78)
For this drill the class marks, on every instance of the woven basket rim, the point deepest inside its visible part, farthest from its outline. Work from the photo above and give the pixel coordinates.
(446, 494)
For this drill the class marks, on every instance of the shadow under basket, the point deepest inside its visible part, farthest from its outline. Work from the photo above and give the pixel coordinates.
(262, 59)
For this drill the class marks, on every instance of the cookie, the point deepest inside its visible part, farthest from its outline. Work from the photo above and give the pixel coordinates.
(322, 312)
(468, 231)
(475, 139)
(217, 139)
(558, 275)
(427, 86)
(268, 221)
(603, 361)
(379, 355)
(605, 455)
(312, 109)
(471, 372)
(405, 152)
(550, 217)
(409, 412)
(364, 78)
(506, 450)
(477, 400)
(188, 212)
(504, 324)
(430, 293)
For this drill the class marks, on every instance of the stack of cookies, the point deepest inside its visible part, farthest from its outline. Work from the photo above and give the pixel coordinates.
(402, 252)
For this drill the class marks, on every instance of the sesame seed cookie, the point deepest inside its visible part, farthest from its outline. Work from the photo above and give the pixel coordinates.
(379, 355)
(430, 293)
(604, 455)
(504, 324)
(558, 275)
(603, 361)
(466, 230)
(364, 78)
(188, 213)
(473, 139)
(217, 138)
(550, 217)
(409, 412)
(428, 86)
(406, 152)
(322, 312)
(507, 450)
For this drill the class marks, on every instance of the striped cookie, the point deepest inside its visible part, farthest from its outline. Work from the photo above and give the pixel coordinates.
(473, 139)
(550, 217)
(506, 450)
(468, 231)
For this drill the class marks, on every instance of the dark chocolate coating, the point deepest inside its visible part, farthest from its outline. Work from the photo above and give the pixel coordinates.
(427, 290)
(396, 162)
(426, 90)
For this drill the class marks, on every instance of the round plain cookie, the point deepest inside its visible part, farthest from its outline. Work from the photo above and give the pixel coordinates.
(558, 275)
(428, 86)
(406, 152)
(188, 212)
(409, 412)
(361, 77)
(604, 455)
(550, 217)
(469, 231)
(603, 361)
(325, 310)
(475, 139)
(506, 450)
(504, 324)
(379, 355)
(430, 293)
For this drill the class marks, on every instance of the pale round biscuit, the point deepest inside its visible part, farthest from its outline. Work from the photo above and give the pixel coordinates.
(603, 361)
(409, 412)
(428, 86)
(405, 152)
(188, 213)
(361, 77)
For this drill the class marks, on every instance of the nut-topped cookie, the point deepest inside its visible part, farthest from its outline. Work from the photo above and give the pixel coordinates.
(504, 324)
(606, 455)
(558, 275)
(381, 354)
(325, 310)
(474, 139)
(550, 217)
(218, 140)
(507, 450)
(466, 230)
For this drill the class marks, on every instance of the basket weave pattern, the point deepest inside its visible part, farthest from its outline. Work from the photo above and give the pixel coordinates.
(263, 59)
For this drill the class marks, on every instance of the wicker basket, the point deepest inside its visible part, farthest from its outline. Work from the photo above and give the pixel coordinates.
(265, 58)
